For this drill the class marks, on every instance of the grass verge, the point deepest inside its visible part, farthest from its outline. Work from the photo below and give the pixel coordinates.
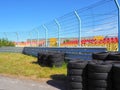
(25, 66)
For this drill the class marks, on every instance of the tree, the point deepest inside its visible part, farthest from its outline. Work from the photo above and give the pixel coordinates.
(5, 42)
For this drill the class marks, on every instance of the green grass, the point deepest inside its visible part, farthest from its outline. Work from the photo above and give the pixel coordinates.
(20, 65)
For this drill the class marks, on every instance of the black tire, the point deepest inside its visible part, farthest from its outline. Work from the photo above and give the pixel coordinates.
(56, 64)
(39, 56)
(100, 55)
(97, 83)
(110, 55)
(75, 72)
(41, 59)
(69, 88)
(116, 73)
(99, 68)
(77, 65)
(116, 87)
(44, 59)
(115, 57)
(75, 78)
(93, 88)
(74, 89)
(59, 64)
(112, 62)
(98, 76)
(116, 82)
(43, 56)
(96, 62)
(74, 60)
(116, 69)
(55, 59)
(76, 85)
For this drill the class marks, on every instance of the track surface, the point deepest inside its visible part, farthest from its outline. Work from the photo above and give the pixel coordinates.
(7, 83)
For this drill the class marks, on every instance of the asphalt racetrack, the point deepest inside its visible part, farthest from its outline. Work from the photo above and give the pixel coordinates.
(7, 83)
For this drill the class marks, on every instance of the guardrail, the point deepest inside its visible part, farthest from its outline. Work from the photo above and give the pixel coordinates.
(83, 53)
(12, 49)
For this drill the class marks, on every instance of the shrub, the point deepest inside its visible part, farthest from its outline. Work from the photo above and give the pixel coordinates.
(5, 42)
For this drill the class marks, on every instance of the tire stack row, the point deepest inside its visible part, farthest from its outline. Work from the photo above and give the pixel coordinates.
(116, 77)
(114, 59)
(55, 59)
(76, 75)
(106, 56)
(41, 58)
(99, 76)
(51, 59)
(93, 75)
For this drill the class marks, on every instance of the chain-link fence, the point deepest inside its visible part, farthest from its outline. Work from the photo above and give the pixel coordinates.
(95, 25)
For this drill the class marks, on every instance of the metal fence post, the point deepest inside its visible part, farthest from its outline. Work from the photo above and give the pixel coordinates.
(59, 27)
(46, 33)
(30, 39)
(17, 38)
(79, 36)
(118, 7)
(37, 37)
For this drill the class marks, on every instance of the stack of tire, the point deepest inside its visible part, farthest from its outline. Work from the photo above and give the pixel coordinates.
(100, 56)
(116, 77)
(55, 59)
(99, 76)
(115, 56)
(106, 56)
(51, 59)
(76, 71)
(41, 58)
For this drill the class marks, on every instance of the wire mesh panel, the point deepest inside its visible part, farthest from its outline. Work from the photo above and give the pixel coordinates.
(99, 24)
(69, 28)
(95, 25)
(42, 36)
(52, 33)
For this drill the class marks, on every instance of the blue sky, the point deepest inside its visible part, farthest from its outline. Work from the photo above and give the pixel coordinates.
(24, 15)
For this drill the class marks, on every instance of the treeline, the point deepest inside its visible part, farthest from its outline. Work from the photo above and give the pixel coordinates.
(5, 42)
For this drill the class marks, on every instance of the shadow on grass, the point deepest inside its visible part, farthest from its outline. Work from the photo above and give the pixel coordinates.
(60, 77)
(36, 62)
(58, 81)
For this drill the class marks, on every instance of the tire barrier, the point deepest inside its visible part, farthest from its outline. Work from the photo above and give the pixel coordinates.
(100, 55)
(93, 75)
(106, 56)
(116, 75)
(114, 57)
(50, 59)
(76, 75)
(99, 76)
